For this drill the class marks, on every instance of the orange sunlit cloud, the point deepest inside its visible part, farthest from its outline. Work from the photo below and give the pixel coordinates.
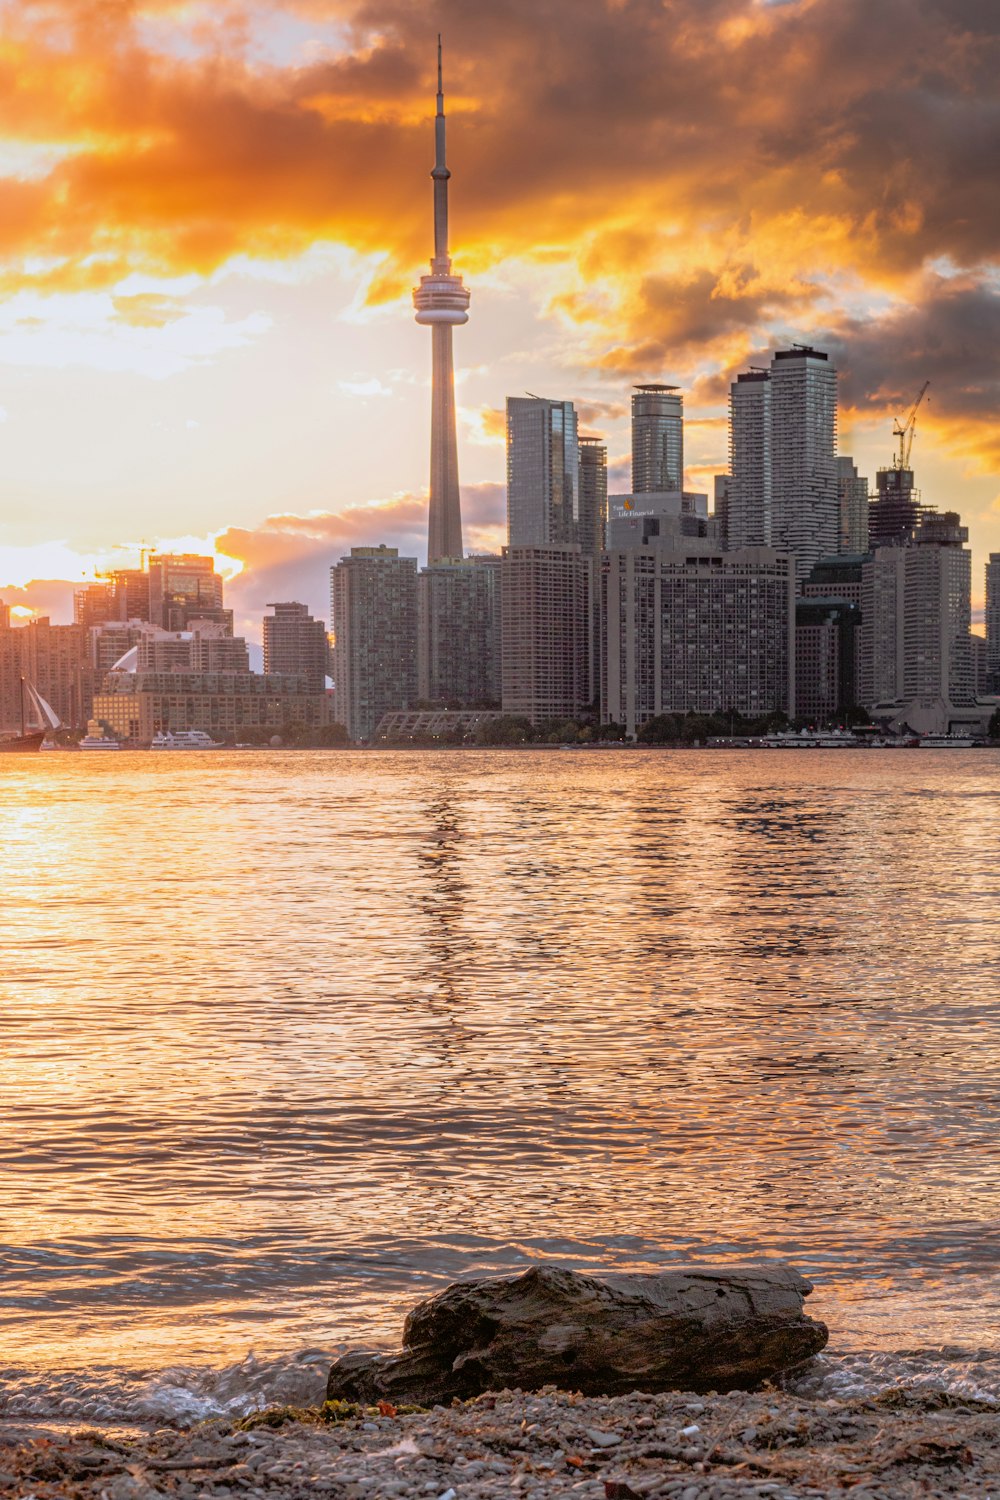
(688, 185)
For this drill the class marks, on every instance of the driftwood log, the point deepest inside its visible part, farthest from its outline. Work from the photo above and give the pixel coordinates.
(692, 1329)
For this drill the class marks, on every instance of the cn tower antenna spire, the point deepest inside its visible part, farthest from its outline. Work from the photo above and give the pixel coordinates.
(442, 302)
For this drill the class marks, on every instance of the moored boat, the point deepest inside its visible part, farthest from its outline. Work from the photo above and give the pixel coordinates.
(30, 740)
(97, 738)
(184, 739)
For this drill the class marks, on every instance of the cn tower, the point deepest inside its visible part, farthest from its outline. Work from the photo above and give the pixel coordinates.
(441, 301)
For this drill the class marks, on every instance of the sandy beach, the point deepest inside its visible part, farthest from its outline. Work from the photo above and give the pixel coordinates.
(678, 1445)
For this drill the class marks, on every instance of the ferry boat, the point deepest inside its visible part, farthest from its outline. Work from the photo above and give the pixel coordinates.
(97, 738)
(184, 739)
(947, 742)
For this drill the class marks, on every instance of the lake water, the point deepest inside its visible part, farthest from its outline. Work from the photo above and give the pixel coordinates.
(287, 1041)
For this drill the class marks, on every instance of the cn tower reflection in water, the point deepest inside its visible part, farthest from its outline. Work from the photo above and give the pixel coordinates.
(288, 1040)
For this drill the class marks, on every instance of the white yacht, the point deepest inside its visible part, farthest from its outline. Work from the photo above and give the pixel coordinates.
(97, 738)
(184, 739)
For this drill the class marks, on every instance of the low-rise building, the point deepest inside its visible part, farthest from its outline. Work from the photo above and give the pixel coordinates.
(135, 706)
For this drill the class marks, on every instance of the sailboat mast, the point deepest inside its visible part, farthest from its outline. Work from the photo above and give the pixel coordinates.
(24, 728)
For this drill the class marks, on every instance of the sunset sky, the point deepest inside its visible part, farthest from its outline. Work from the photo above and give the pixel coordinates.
(212, 213)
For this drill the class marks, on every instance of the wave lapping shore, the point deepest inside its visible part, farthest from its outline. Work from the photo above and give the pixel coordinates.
(677, 1446)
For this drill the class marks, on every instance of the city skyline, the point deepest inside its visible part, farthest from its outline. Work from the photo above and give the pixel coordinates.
(269, 357)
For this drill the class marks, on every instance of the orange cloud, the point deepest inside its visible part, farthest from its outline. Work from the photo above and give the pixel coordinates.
(701, 178)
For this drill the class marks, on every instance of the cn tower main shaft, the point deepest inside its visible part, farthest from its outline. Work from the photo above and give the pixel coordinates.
(442, 302)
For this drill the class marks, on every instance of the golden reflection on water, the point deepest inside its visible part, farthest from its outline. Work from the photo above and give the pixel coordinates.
(286, 1039)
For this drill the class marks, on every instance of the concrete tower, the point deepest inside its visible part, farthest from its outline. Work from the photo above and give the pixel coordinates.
(441, 301)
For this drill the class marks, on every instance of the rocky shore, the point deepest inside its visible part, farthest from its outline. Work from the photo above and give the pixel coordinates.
(679, 1446)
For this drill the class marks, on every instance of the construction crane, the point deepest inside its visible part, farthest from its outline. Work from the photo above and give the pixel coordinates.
(905, 430)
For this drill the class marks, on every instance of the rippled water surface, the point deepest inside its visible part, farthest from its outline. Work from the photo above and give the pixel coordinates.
(287, 1040)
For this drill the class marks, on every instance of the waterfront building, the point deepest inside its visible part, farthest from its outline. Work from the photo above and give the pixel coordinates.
(916, 656)
(55, 659)
(135, 706)
(548, 632)
(657, 439)
(543, 472)
(297, 645)
(705, 633)
(442, 303)
(593, 507)
(993, 621)
(826, 658)
(424, 724)
(895, 511)
(853, 491)
(10, 674)
(373, 609)
(459, 633)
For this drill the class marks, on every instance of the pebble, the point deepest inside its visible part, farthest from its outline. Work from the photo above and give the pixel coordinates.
(602, 1439)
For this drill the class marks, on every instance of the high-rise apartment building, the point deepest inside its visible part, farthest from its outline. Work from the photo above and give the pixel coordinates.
(295, 643)
(853, 491)
(548, 638)
(593, 505)
(805, 497)
(459, 644)
(543, 472)
(749, 480)
(55, 659)
(373, 608)
(915, 626)
(657, 439)
(702, 633)
(783, 488)
(993, 622)
(442, 303)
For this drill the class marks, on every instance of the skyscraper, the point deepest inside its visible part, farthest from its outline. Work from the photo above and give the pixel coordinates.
(543, 472)
(993, 622)
(784, 489)
(657, 439)
(805, 500)
(441, 303)
(373, 607)
(749, 487)
(853, 491)
(593, 495)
